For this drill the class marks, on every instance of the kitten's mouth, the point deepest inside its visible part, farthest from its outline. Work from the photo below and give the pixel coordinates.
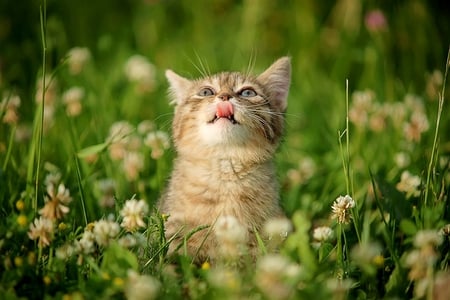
(229, 118)
(224, 110)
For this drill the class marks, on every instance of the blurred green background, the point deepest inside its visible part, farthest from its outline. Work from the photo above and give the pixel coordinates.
(323, 37)
(388, 47)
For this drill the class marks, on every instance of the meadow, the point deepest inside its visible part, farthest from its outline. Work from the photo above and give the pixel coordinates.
(85, 148)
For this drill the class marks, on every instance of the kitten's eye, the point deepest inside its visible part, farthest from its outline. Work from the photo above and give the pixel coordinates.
(205, 92)
(247, 93)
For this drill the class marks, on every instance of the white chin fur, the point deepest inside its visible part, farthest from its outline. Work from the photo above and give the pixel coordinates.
(223, 132)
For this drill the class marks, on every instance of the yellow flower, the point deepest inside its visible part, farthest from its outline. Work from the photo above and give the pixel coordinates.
(62, 226)
(20, 205)
(47, 280)
(119, 282)
(18, 261)
(206, 266)
(22, 220)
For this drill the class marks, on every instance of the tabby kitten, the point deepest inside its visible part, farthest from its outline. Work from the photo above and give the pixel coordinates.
(226, 130)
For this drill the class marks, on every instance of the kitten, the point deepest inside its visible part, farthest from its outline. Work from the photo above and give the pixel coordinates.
(226, 130)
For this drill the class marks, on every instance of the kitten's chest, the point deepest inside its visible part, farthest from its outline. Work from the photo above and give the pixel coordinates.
(230, 170)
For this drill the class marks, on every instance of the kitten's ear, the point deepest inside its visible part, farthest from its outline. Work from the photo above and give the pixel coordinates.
(178, 86)
(277, 79)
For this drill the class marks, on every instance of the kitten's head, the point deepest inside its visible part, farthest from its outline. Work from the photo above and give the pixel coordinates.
(230, 113)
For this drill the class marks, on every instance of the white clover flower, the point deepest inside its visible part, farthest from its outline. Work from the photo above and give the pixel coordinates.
(139, 287)
(145, 127)
(322, 234)
(427, 237)
(228, 228)
(86, 243)
(224, 278)
(275, 276)
(276, 230)
(120, 131)
(133, 163)
(139, 70)
(409, 184)
(104, 231)
(8, 108)
(423, 256)
(158, 141)
(341, 209)
(56, 202)
(42, 230)
(366, 253)
(106, 188)
(72, 99)
(65, 252)
(128, 241)
(231, 236)
(49, 98)
(119, 136)
(133, 213)
(304, 172)
(402, 159)
(77, 59)
(339, 287)
(360, 107)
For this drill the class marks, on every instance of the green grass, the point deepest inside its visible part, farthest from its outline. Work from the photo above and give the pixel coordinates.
(367, 117)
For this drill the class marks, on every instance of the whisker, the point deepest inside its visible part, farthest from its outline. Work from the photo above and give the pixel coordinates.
(251, 63)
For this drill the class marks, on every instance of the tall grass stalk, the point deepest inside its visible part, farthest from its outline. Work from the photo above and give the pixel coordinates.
(434, 149)
(10, 146)
(40, 130)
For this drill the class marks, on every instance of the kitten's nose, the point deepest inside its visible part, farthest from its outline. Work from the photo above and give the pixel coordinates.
(224, 96)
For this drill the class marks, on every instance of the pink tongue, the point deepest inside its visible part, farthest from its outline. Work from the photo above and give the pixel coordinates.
(224, 109)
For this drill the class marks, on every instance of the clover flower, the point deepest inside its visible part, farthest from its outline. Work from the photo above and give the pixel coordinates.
(49, 98)
(146, 126)
(56, 202)
(140, 71)
(104, 231)
(423, 258)
(276, 276)
(360, 107)
(77, 59)
(231, 236)
(417, 124)
(133, 213)
(133, 163)
(276, 230)
(341, 209)
(139, 287)
(119, 136)
(409, 184)
(86, 243)
(65, 252)
(321, 234)
(158, 141)
(305, 170)
(8, 109)
(367, 256)
(402, 159)
(434, 84)
(42, 230)
(106, 188)
(72, 99)
(223, 278)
